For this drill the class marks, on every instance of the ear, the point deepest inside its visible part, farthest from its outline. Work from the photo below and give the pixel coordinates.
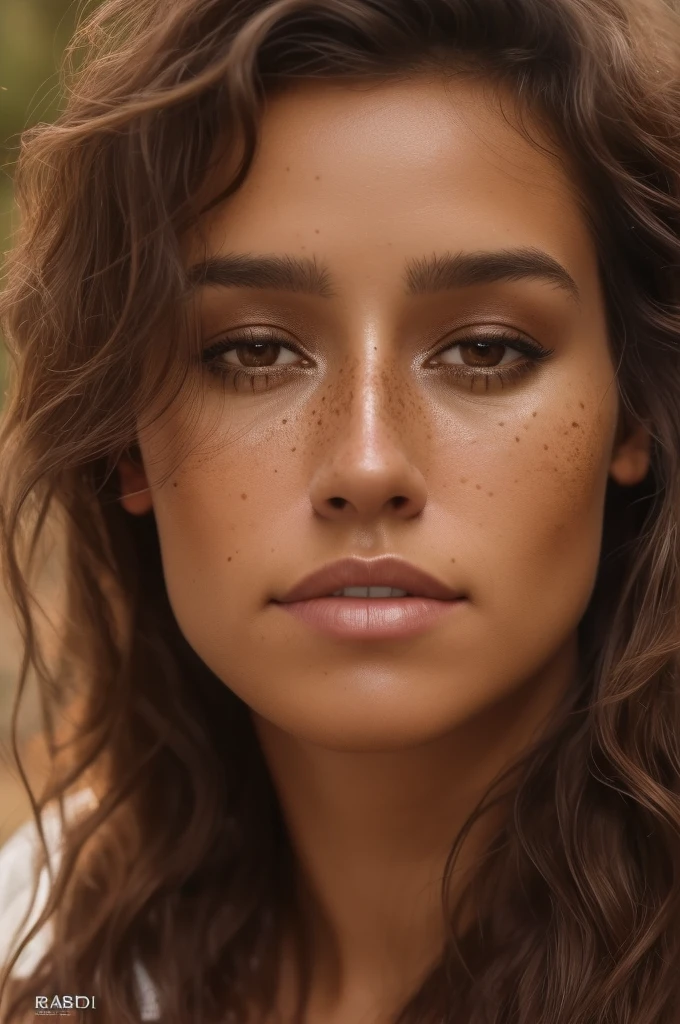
(632, 452)
(135, 495)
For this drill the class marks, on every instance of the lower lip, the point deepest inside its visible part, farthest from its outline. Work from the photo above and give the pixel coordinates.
(371, 618)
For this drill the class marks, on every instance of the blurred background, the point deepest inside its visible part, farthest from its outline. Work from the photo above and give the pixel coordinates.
(33, 34)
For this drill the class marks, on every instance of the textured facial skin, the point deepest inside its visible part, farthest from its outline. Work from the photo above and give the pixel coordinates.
(504, 485)
(379, 749)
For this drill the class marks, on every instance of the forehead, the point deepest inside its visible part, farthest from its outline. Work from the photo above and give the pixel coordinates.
(420, 165)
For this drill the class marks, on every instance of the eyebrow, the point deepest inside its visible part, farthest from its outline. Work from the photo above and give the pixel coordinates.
(422, 276)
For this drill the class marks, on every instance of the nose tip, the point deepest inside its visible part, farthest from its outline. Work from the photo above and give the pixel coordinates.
(366, 467)
(397, 502)
(357, 494)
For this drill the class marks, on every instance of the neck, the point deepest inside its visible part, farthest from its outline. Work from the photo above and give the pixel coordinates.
(372, 831)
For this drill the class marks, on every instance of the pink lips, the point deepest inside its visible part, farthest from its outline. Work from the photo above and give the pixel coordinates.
(427, 600)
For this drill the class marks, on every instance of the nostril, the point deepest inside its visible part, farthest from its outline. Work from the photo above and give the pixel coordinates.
(399, 501)
(337, 502)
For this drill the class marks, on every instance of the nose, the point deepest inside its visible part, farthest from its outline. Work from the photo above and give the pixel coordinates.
(366, 469)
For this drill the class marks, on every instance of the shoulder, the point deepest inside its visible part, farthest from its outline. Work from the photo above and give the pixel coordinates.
(18, 862)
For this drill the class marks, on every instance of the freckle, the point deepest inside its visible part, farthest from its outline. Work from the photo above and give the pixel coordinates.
(516, 481)
(463, 479)
(574, 423)
(284, 421)
(501, 423)
(533, 414)
(317, 177)
(582, 405)
(545, 446)
(490, 493)
(478, 486)
(453, 559)
(287, 168)
(526, 426)
(244, 496)
(175, 484)
(318, 423)
(516, 437)
(276, 470)
(292, 449)
(323, 399)
(229, 559)
(564, 433)
(316, 231)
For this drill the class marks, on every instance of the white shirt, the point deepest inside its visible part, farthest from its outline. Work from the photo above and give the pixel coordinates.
(17, 864)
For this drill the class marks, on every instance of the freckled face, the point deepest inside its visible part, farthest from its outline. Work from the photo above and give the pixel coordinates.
(382, 393)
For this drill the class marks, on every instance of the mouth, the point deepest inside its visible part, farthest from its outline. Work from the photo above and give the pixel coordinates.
(372, 613)
(372, 592)
(370, 598)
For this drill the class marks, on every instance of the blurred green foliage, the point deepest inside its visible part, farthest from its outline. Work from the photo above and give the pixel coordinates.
(33, 34)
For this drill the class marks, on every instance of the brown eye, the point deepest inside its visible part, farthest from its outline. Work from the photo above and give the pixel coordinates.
(251, 354)
(257, 353)
(480, 353)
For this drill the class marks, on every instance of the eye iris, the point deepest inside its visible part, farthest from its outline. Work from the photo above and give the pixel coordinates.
(488, 352)
(264, 353)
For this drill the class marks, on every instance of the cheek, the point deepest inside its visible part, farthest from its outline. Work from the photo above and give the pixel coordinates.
(216, 518)
(534, 505)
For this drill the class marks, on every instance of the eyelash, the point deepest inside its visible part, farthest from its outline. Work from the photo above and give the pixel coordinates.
(534, 353)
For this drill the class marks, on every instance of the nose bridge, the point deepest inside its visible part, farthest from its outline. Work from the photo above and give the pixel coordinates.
(371, 401)
(368, 463)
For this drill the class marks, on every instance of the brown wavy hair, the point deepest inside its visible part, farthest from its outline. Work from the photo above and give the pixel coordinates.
(185, 862)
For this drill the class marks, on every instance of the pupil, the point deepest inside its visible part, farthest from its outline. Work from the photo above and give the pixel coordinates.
(259, 353)
(484, 354)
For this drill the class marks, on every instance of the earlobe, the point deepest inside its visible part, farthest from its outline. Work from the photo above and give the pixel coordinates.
(631, 455)
(135, 495)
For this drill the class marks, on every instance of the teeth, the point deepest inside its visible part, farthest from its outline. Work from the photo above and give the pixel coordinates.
(370, 592)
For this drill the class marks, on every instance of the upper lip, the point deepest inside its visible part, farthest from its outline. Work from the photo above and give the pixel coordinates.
(386, 571)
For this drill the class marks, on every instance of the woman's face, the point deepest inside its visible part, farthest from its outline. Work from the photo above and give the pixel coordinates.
(377, 422)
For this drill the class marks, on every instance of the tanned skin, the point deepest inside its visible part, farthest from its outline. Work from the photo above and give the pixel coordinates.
(380, 749)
